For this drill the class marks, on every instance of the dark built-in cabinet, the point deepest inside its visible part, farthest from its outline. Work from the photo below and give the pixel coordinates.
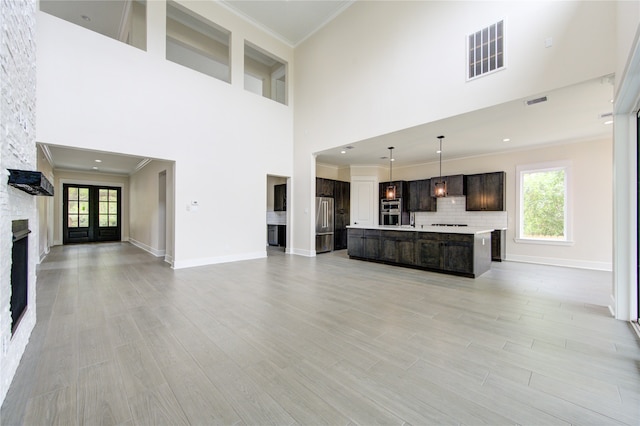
(325, 187)
(401, 190)
(342, 202)
(485, 191)
(459, 254)
(280, 198)
(455, 185)
(341, 194)
(420, 199)
(277, 235)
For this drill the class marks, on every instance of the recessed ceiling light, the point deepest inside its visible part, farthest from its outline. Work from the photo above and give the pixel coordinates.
(343, 152)
(438, 151)
(86, 18)
(393, 159)
(94, 168)
(506, 140)
(608, 122)
(98, 161)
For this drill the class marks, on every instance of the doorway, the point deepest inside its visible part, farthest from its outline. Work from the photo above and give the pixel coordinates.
(91, 214)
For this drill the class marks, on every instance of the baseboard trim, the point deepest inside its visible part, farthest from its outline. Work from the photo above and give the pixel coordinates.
(636, 327)
(300, 252)
(180, 264)
(148, 249)
(569, 263)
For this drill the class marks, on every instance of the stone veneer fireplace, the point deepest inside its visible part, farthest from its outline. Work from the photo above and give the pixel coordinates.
(17, 151)
(19, 271)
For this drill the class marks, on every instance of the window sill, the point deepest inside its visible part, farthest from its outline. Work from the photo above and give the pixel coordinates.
(543, 242)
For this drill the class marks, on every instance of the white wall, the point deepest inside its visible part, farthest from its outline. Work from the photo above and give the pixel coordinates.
(97, 93)
(591, 195)
(67, 176)
(384, 66)
(45, 208)
(627, 98)
(145, 227)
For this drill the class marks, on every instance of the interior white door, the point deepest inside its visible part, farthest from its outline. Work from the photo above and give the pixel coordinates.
(364, 201)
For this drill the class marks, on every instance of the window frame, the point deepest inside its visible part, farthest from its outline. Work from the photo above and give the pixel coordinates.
(550, 166)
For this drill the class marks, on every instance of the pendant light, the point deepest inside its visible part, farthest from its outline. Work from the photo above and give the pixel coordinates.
(441, 185)
(391, 188)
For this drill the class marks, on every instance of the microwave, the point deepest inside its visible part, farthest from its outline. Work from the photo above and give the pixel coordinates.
(391, 206)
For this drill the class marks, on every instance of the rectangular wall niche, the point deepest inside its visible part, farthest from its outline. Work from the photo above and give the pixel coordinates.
(19, 271)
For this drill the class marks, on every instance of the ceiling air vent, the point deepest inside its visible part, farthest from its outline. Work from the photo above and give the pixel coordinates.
(536, 101)
(605, 115)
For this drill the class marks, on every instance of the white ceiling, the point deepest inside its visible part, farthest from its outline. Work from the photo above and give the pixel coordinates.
(570, 114)
(85, 160)
(292, 21)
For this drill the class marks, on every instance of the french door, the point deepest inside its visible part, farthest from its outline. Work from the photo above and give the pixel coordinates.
(91, 213)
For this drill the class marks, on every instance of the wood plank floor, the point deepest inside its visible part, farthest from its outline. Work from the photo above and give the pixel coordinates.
(123, 339)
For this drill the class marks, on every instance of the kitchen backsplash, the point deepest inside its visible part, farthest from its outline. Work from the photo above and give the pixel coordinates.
(451, 210)
(276, 218)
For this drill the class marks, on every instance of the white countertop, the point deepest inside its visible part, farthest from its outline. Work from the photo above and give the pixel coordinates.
(473, 230)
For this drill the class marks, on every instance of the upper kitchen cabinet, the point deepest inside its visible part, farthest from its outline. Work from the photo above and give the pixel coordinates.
(325, 187)
(401, 190)
(420, 199)
(455, 185)
(280, 198)
(485, 191)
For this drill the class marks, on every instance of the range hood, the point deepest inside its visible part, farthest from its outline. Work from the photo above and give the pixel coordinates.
(34, 183)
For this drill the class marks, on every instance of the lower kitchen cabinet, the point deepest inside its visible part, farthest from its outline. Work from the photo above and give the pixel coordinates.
(363, 243)
(460, 254)
(498, 242)
(355, 242)
(398, 247)
(448, 252)
(277, 235)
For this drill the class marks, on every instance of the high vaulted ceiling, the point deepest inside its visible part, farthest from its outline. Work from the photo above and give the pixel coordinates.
(291, 21)
(574, 113)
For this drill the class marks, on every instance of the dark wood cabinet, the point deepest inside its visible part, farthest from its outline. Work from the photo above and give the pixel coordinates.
(325, 187)
(371, 244)
(498, 245)
(342, 202)
(401, 190)
(420, 199)
(460, 254)
(277, 235)
(398, 247)
(455, 185)
(355, 242)
(457, 254)
(485, 191)
(280, 198)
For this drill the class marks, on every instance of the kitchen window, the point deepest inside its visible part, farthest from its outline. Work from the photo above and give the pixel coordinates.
(544, 203)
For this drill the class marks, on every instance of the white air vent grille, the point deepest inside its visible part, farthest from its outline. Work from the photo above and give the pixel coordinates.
(486, 50)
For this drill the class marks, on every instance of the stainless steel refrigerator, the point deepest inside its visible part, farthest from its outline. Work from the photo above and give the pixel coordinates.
(324, 224)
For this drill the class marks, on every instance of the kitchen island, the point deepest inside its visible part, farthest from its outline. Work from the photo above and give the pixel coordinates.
(462, 250)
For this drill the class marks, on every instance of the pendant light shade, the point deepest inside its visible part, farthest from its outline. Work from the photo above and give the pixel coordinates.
(440, 185)
(391, 188)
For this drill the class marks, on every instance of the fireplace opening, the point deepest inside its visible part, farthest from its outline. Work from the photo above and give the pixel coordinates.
(19, 271)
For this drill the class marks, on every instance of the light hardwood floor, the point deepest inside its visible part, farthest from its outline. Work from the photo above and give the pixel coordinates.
(123, 339)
